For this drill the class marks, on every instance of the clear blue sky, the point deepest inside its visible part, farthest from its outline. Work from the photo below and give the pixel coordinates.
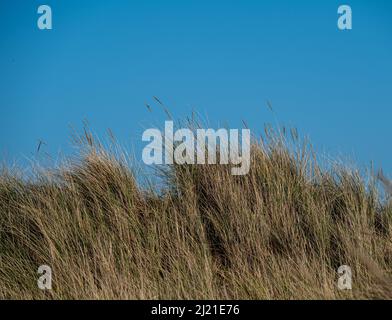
(104, 60)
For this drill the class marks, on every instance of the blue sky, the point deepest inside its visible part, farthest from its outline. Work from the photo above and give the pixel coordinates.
(104, 60)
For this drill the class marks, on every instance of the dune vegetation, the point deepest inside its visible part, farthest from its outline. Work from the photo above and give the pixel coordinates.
(279, 232)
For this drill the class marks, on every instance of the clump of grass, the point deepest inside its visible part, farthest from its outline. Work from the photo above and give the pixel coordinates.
(280, 232)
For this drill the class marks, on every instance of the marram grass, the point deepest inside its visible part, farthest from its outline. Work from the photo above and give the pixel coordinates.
(280, 232)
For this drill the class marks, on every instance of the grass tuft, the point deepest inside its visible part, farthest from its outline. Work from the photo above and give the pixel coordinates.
(280, 232)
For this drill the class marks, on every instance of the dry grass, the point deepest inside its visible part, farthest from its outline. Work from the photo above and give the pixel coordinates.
(280, 232)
